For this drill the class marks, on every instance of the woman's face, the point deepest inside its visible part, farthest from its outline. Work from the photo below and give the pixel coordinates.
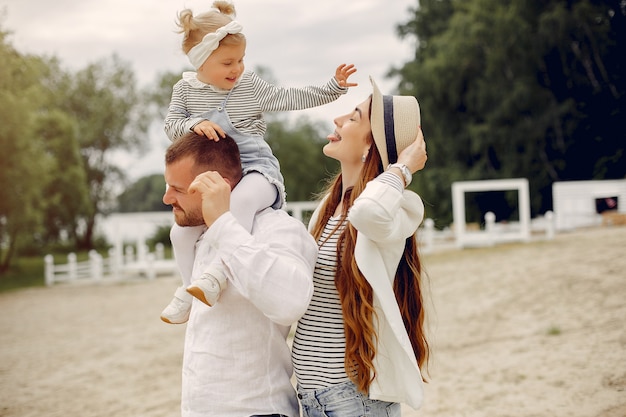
(351, 138)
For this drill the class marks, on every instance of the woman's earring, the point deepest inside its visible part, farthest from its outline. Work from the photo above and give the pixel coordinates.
(363, 158)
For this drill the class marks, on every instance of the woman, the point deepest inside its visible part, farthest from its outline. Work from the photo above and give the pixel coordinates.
(359, 347)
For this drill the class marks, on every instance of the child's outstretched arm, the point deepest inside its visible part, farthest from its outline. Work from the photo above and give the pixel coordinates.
(343, 72)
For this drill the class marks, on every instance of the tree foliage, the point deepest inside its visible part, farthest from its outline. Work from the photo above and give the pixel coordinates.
(57, 135)
(108, 108)
(517, 89)
(298, 148)
(22, 167)
(66, 190)
(146, 194)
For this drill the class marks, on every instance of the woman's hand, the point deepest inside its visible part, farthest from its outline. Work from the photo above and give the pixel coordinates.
(414, 156)
(211, 130)
(342, 73)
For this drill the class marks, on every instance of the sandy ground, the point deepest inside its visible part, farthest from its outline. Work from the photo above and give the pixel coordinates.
(535, 329)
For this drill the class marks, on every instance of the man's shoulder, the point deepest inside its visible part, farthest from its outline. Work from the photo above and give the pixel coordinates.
(278, 217)
(272, 214)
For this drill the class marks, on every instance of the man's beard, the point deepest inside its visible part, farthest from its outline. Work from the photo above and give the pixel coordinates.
(188, 218)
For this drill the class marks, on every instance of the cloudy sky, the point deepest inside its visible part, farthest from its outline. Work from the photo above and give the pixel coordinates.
(300, 42)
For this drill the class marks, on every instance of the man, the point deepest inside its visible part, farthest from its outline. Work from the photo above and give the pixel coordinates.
(236, 361)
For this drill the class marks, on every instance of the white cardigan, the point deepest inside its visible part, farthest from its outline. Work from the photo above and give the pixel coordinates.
(384, 219)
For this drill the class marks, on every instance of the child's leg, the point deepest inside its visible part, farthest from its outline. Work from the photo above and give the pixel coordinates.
(183, 245)
(253, 193)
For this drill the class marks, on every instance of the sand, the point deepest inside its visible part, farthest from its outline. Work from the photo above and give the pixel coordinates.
(536, 329)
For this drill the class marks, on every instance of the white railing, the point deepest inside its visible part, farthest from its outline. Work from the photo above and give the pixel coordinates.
(115, 267)
(120, 265)
(431, 239)
(297, 209)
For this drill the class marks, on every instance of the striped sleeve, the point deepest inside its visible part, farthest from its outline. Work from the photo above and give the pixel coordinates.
(391, 179)
(273, 98)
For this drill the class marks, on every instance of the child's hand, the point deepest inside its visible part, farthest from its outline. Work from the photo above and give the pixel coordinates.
(209, 129)
(342, 73)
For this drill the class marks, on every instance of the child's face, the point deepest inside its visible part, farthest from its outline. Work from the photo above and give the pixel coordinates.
(223, 67)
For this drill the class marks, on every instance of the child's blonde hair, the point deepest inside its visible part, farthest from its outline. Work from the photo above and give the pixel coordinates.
(195, 28)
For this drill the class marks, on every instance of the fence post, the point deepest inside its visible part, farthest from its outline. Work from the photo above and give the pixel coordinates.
(128, 255)
(142, 250)
(111, 264)
(490, 223)
(150, 267)
(48, 270)
(428, 235)
(71, 266)
(95, 265)
(549, 216)
(159, 251)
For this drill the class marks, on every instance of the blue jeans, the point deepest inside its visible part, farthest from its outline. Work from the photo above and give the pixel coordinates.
(344, 400)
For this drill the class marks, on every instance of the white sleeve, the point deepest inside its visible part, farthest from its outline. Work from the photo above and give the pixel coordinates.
(384, 214)
(273, 267)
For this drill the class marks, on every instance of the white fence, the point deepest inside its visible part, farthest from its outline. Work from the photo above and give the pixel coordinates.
(115, 267)
(431, 239)
(119, 266)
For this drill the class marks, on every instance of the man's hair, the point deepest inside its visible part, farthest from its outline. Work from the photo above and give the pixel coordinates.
(208, 155)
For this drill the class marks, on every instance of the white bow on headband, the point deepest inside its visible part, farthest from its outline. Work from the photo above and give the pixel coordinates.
(199, 53)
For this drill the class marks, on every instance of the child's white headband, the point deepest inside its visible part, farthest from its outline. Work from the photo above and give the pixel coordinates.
(199, 53)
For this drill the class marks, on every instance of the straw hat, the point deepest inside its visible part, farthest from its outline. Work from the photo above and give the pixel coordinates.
(395, 121)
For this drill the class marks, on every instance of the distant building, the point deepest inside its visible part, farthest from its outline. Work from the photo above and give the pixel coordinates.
(585, 203)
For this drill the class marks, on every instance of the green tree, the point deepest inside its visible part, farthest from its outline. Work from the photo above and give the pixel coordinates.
(67, 195)
(158, 95)
(517, 89)
(22, 162)
(298, 148)
(111, 115)
(146, 194)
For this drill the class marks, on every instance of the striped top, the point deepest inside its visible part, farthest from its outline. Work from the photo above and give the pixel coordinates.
(248, 100)
(319, 343)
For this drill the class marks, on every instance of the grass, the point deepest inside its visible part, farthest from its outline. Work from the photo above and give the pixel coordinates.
(28, 271)
(24, 272)
(554, 331)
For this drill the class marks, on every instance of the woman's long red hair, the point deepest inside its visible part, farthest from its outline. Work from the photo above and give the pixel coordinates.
(356, 294)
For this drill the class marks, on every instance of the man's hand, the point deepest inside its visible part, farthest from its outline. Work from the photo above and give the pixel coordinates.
(215, 193)
(342, 73)
(210, 130)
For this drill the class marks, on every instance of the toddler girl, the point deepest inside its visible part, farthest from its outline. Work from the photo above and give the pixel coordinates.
(221, 98)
